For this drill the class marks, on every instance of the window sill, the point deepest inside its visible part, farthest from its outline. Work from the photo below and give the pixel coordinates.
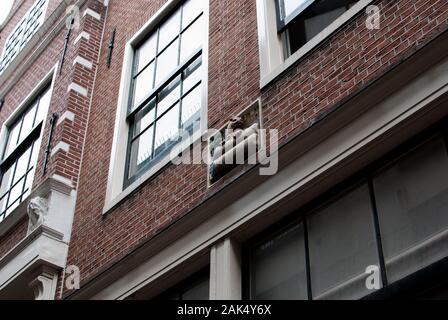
(150, 174)
(313, 43)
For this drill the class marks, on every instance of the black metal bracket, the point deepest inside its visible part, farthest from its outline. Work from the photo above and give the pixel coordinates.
(111, 48)
(54, 118)
(2, 102)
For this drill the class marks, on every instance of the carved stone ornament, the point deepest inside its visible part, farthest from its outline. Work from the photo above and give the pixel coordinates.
(236, 144)
(37, 211)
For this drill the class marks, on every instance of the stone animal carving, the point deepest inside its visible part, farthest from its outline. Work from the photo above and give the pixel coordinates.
(37, 210)
(236, 130)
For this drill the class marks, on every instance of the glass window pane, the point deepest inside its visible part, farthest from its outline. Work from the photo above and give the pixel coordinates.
(167, 61)
(278, 269)
(168, 97)
(22, 165)
(28, 122)
(141, 151)
(44, 105)
(290, 6)
(16, 193)
(147, 52)
(191, 107)
(166, 129)
(342, 246)
(192, 75)
(169, 30)
(144, 84)
(314, 25)
(191, 39)
(192, 9)
(12, 139)
(199, 291)
(412, 199)
(6, 181)
(144, 118)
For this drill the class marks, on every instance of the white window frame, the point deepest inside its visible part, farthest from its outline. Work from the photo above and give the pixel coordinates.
(49, 79)
(273, 61)
(115, 185)
(20, 41)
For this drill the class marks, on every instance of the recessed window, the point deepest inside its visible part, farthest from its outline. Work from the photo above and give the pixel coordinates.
(412, 196)
(166, 87)
(195, 288)
(393, 220)
(278, 267)
(301, 20)
(342, 245)
(20, 154)
(23, 32)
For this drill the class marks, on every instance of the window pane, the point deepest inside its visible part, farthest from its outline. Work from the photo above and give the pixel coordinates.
(192, 9)
(191, 39)
(22, 165)
(12, 139)
(16, 193)
(144, 118)
(412, 197)
(169, 30)
(278, 267)
(144, 84)
(141, 151)
(342, 245)
(168, 97)
(291, 5)
(146, 52)
(6, 181)
(314, 25)
(192, 75)
(166, 129)
(28, 122)
(167, 61)
(191, 107)
(44, 105)
(199, 291)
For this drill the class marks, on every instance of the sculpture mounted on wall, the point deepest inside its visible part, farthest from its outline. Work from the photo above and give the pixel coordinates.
(236, 144)
(37, 211)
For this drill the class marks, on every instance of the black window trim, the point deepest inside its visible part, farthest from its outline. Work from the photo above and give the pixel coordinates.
(364, 176)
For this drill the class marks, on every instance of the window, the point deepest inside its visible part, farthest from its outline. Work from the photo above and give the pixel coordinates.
(393, 216)
(23, 32)
(166, 87)
(196, 287)
(278, 267)
(342, 245)
(301, 20)
(20, 154)
(412, 197)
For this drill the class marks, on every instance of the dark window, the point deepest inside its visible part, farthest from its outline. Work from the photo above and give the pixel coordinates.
(393, 216)
(301, 20)
(23, 32)
(196, 287)
(278, 268)
(20, 154)
(167, 87)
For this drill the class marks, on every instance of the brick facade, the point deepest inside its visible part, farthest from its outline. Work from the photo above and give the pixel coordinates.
(352, 58)
(337, 69)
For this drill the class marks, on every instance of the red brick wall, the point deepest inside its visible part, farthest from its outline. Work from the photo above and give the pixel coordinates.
(341, 65)
(66, 165)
